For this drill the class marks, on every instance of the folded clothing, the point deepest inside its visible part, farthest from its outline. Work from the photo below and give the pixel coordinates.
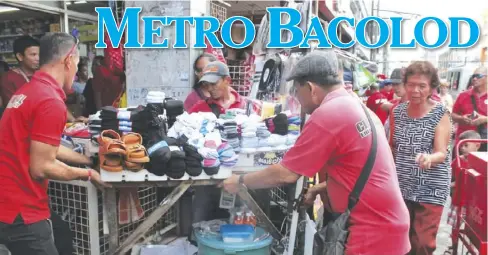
(159, 156)
(278, 124)
(193, 160)
(275, 140)
(249, 142)
(176, 164)
(211, 170)
(173, 107)
(110, 112)
(227, 156)
(155, 97)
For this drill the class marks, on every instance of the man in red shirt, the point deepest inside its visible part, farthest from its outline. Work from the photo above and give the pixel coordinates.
(222, 96)
(375, 101)
(470, 108)
(26, 51)
(333, 144)
(30, 134)
(388, 89)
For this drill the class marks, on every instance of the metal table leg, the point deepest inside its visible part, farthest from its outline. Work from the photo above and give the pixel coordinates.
(110, 205)
(145, 226)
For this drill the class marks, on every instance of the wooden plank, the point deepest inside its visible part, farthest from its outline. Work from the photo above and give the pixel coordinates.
(165, 184)
(110, 207)
(145, 226)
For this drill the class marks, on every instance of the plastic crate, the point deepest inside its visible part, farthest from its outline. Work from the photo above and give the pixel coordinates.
(81, 205)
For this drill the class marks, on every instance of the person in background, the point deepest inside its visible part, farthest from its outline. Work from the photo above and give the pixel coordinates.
(462, 160)
(88, 93)
(446, 98)
(420, 133)
(375, 101)
(26, 51)
(332, 145)
(82, 76)
(470, 109)
(30, 151)
(200, 89)
(388, 89)
(222, 96)
(108, 86)
(400, 93)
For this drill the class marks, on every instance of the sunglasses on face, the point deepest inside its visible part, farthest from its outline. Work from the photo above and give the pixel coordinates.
(478, 75)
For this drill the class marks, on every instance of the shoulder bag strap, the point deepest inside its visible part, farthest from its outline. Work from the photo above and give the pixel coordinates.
(215, 108)
(368, 166)
(473, 101)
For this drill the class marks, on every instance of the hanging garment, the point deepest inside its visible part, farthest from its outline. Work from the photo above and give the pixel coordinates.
(218, 53)
(270, 78)
(262, 38)
(114, 57)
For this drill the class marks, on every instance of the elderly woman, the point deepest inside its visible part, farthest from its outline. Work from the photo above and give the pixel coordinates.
(446, 98)
(420, 137)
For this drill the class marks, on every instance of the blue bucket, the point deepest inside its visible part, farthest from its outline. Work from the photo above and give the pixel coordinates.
(214, 245)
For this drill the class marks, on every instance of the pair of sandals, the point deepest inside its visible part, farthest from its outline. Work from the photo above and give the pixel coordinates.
(115, 152)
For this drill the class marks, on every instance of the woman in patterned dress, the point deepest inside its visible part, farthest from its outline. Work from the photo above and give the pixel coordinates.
(420, 137)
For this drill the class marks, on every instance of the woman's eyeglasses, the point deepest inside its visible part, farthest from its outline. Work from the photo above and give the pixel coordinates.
(478, 75)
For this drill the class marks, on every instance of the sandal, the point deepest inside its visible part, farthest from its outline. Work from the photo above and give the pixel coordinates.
(137, 154)
(111, 162)
(132, 139)
(110, 143)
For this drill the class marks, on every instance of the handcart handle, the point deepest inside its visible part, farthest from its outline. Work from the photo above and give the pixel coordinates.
(467, 141)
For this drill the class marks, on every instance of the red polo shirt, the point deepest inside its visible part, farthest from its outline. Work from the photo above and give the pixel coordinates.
(10, 82)
(374, 103)
(36, 112)
(203, 105)
(464, 105)
(388, 94)
(335, 142)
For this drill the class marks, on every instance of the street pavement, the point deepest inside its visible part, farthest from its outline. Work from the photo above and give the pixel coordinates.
(444, 233)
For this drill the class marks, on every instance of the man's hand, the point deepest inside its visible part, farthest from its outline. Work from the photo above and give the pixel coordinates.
(96, 179)
(479, 121)
(231, 185)
(466, 120)
(309, 197)
(424, 160)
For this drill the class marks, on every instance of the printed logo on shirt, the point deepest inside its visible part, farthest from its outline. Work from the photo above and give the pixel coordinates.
(16, 101)
(380, 101)
(363, 128)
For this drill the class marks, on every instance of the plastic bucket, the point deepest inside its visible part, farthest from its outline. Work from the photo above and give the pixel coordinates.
(214, 245)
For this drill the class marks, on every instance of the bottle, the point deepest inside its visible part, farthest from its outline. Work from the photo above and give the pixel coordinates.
(250, 219)
(239, 218)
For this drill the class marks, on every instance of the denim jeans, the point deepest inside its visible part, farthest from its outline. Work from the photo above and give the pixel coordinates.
(33, 239)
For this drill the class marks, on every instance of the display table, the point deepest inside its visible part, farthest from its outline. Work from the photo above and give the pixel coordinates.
(145, 179)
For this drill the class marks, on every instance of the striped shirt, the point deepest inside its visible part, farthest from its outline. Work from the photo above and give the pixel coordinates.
(411, 137)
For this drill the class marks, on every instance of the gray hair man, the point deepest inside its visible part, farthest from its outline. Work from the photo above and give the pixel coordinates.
(335, 144)
(30, 151)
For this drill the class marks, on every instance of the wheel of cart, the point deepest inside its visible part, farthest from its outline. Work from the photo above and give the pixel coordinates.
(470, 228)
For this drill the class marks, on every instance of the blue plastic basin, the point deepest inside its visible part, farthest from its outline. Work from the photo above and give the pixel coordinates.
(214, 245)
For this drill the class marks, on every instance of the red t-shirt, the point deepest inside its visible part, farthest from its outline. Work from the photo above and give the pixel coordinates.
(203, 105)
(10, 82)
(36, 112)
(389, 94)
(191, 100)
(464, 105)
(337, 144)
(374, 103)
(109, 85)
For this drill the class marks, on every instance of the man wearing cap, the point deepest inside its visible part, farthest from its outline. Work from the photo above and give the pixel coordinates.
(387, 89)
(375, 101)
(222, 96)
(396, 79)
(333, 145)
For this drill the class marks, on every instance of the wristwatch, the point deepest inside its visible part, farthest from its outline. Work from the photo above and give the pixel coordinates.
(241, 179)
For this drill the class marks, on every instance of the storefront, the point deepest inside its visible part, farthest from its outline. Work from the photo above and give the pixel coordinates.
(75, 17)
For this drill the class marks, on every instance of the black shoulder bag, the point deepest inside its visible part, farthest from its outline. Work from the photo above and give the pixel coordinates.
(332, 238)
(481, 128)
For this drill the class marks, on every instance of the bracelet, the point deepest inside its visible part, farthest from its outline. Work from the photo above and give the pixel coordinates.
(89, 174)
